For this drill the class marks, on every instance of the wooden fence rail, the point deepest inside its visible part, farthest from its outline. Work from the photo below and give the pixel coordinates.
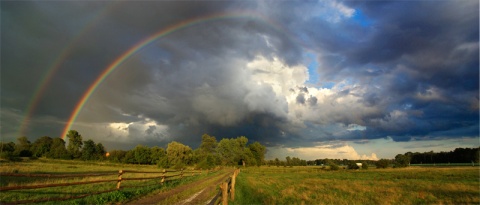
(119, 180)
(56, 175)
(226, 188)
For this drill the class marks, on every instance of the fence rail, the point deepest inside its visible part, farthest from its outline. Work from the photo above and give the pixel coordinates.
(227, 188)
(56, 175)
(119, 180)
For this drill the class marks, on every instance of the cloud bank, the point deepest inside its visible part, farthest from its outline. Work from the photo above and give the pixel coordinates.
(292, 75)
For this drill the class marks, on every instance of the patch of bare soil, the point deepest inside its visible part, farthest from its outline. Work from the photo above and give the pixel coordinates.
(158, 198)
(207, 193)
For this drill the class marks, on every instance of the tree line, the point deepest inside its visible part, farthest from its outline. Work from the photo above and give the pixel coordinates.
(210, 153)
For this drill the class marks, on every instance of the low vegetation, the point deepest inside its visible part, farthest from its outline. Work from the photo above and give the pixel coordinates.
(313, 185)
(131, 190)
(211, 153)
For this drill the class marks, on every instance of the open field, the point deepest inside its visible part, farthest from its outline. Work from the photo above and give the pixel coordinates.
(311, 185)
(255, 185)
(130, 189)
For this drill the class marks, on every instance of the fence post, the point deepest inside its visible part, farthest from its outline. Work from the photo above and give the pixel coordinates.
(181, 174)
(163, 177)
(120, 172)
(232, 186)
(224, 188)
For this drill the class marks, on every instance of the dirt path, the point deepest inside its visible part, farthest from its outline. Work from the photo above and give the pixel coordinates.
(209, 183)
(205, 195)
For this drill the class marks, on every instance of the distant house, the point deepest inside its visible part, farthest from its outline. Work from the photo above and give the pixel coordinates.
(359, 164)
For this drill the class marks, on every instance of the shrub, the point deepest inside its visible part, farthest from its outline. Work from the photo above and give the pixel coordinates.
(352, 165)
(364, 166)
(382, 163)
(334, 166)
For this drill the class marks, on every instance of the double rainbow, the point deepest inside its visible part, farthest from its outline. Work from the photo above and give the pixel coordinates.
(147, 41)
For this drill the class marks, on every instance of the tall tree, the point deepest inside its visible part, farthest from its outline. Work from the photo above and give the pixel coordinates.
(100, 151)
(157, 154)
(89, 150)
(402, 160)
(58, 150)
(74, 143)
(258, 151)
(178, 154)
(42, 146)
(22, 148)
(142, 154)
(208, 145)
(117, 156)
(6, 150)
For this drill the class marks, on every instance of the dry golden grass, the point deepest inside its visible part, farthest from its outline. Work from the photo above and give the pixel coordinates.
(45, 166)
(272, 185)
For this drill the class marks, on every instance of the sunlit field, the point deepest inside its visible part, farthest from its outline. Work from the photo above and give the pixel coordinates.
(312, 185)
(130, 189)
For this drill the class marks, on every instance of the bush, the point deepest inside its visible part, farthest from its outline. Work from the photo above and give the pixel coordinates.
(352, 165)
(364, 166)
(383, 163)
(334, 167)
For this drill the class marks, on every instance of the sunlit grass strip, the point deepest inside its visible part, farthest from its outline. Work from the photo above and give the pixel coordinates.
(129, 189)
(54, 185)
(376, 186)
(52, 175)
(61, 198)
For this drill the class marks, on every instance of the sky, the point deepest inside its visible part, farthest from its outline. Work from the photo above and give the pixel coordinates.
(308, 79)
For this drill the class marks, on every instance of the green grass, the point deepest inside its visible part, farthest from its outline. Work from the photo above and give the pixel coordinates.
(142, 187)
(310, 185)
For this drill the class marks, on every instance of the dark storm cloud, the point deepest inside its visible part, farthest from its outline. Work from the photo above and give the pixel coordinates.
(402, 58)
(404, 76)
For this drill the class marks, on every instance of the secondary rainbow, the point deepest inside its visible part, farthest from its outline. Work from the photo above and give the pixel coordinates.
(56, 65)
(143, 43)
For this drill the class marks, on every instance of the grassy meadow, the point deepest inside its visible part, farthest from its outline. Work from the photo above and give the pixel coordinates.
(130, 189)
(312, 185)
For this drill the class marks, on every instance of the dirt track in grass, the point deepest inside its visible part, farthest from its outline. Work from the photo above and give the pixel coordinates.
(203, 190)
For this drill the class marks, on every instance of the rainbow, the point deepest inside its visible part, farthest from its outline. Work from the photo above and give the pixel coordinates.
(55, 66)
(145, 42)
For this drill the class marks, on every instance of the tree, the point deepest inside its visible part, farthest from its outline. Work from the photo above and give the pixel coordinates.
(248, 158)
(157, 153)
(100, 151)
(41, 146)
(333, 166)
(352, 165)
(288, 161)
(58, 150)
(7, 150)
(382, 163)
(364, 165)
(225, 150)
(208, 145)
(129, 157)
(142, 154)
(89, 150)
(74, 143)
(117, 156)
(178, 154)
(258, 152)
(402, 160)
(22, 148)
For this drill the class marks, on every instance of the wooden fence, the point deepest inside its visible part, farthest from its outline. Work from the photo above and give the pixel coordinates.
(162, 179)
(227, 188)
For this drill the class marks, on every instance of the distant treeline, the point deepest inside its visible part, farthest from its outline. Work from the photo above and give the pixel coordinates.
(459, 155)
(234, 151)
